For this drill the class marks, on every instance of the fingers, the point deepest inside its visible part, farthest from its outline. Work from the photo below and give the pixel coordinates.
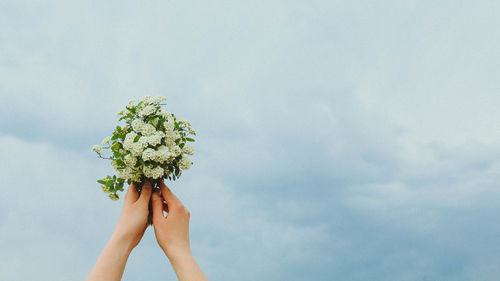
(132, 194)
(157, 205)
(145, 193)
(169, 197)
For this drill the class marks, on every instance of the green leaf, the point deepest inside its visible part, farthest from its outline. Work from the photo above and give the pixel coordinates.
(136, 139)
(181, 145)
(189, 139)
(101, 182)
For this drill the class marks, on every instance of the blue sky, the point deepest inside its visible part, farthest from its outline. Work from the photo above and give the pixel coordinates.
(338, 140)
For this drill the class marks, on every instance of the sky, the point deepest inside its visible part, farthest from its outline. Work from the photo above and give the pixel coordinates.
(337, 140)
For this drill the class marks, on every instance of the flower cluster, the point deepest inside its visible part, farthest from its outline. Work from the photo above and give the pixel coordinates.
(150, 147)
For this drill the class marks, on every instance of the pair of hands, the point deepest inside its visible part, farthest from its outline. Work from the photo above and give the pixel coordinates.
(172, 231)
(172, 234)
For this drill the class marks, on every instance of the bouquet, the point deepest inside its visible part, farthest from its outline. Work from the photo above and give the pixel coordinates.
(151, 146)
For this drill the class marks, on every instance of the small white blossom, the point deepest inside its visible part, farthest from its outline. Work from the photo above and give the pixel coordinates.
(157, 100)
(169, 126)
(105, 189)
(148, 154)
(97, 148)
(146, 100)
(185, 163)
(130, 160)
(129, 140)
(154, 173)
(121, 112)
(138, 125)
(156, 138)
(114, 196)
(131, 104)
(106, 140)
(183, 122)
(147, 110)
(163, 113)
(188, 149)
(176, 150)
(137, 148)
(129, 173)
(148, 129)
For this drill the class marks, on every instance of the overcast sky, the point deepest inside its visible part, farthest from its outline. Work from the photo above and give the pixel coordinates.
(337, 140)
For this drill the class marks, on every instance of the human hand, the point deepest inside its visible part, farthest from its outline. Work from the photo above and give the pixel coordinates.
(172, 231)
(128, 233)
(134, 216)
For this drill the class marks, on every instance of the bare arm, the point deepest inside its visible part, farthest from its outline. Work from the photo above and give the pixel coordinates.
(127, 235)
(172, 234)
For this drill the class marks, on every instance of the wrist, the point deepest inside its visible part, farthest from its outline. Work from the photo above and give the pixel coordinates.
(180, 254)
(121, 241)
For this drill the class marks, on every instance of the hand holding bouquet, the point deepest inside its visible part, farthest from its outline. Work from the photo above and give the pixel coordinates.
(150, 147)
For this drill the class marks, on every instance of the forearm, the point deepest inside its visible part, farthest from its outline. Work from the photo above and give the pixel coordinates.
(186, 267)
(111, 262)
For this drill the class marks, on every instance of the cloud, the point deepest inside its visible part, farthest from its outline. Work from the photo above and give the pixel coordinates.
(337, 140)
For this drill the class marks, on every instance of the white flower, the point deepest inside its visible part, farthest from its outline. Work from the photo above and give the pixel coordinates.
(154, 173)
(114, 196)
(144, 140)
(185, 163)
(97, 148)
(156, 138)
(105, 189)
(146, 100)
(125, 173)
(129, 140)
(183, 122)
(131, 104)
(176, 150)
(158, 172)
(157, 100)
(170, 118)
(147, 110)
(121, 112)
(137, 148)
(163, 154)
(130, 160)
(169, 126)
(163, 113)
(148, 154)
(137, 125)
(148, 129)
(188, 149)
(106, 140)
